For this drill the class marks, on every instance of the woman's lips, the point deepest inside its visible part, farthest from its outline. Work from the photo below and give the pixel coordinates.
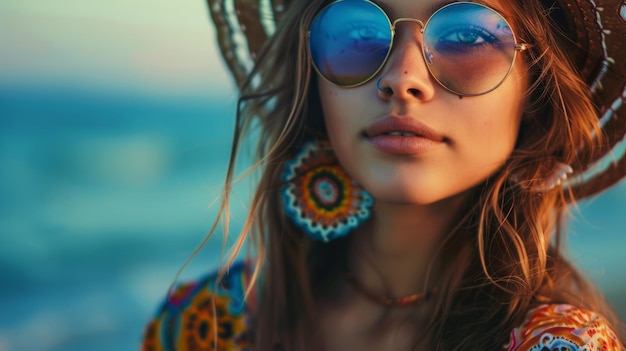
(401, 135)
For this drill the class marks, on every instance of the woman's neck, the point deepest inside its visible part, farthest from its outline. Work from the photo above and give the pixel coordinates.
(392, 253)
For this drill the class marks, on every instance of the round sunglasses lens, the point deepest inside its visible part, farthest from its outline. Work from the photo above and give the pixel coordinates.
(349, 41)
(469, 48)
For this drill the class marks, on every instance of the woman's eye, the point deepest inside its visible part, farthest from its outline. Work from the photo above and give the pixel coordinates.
(367, 38)
(365, 33)
(468, 36)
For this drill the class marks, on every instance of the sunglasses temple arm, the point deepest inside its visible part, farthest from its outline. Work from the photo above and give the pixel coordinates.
(523, 46)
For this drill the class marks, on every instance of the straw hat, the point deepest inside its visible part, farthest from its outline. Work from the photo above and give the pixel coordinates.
(597, 28)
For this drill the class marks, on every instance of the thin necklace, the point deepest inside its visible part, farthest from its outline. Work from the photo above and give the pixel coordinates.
(403, 301)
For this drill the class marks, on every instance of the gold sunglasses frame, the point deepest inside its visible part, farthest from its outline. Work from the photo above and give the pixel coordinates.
(519, 47)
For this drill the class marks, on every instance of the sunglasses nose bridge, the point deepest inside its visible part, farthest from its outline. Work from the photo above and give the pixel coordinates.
(408, 19)
(419, 23)
(413, 37)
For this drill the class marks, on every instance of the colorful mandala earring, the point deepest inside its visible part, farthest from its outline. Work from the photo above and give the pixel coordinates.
(320, 197)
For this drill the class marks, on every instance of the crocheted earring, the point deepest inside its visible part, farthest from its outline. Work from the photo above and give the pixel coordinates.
(319, 197)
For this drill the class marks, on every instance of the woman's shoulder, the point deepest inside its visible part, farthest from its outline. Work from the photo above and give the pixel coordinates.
(202, 314)
(563, 327)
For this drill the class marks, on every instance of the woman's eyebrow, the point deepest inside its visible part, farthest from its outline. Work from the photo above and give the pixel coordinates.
(439, 4)
(386, 8)
(436, 5)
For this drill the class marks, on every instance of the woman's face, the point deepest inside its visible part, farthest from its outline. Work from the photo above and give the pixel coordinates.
(416, 142)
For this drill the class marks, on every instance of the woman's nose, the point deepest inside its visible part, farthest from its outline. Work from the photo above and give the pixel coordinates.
(405, 75)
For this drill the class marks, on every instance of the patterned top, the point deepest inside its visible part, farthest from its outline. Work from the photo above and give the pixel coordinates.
(563, 328)
(185, 322)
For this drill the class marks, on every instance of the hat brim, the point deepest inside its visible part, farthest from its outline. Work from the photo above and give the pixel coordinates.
(597, 29)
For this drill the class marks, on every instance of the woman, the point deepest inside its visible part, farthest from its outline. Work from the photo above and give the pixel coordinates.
(412, 198)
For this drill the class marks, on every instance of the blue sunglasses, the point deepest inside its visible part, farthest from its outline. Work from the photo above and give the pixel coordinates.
(468, 48)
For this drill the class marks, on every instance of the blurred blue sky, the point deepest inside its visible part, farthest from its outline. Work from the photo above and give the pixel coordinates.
(115, 123)
(150, 47)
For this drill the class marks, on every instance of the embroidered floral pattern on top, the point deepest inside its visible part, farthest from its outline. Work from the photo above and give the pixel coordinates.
(186, 321)
(563, 328)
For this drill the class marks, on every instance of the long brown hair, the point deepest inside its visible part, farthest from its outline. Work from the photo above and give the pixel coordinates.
(494, 275)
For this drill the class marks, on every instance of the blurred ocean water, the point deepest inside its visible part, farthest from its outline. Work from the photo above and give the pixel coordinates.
(103, 197)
